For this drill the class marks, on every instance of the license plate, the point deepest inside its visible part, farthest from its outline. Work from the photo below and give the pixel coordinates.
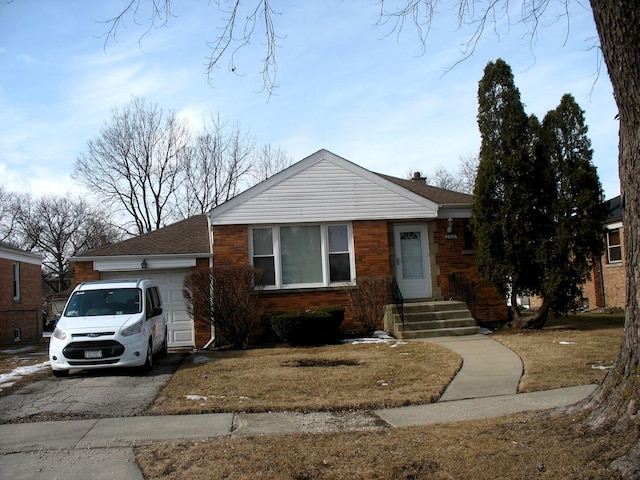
(93, 354)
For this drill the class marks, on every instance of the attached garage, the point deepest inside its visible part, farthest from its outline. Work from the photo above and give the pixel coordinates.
(181, 328)
(166, 256)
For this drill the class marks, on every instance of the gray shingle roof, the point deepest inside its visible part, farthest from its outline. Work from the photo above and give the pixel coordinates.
(435, 194)
(190, 236)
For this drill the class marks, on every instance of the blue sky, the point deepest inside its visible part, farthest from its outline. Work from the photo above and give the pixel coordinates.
(344, 84)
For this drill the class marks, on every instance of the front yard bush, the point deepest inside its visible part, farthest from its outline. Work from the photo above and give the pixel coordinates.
(368, 299)
(313, 327)
(227, 297)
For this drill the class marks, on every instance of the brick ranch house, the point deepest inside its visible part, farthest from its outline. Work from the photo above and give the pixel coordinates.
(20, 295)
(321, 223)
(313, 228)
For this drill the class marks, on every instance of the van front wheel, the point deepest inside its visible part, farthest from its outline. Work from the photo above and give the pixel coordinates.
(148, 363)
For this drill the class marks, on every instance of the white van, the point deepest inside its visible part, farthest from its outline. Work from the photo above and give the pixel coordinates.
(109, 324)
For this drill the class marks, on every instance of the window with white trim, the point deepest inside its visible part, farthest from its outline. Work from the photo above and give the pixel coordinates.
(303, 255)
(614, 247)
(16, 281)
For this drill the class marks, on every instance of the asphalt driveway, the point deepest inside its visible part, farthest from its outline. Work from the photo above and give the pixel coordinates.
(89, 394)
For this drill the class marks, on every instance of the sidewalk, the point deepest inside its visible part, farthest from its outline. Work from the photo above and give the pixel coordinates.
(485, 387)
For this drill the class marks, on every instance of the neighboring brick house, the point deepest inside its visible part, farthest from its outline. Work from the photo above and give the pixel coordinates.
(165, 255)
(321, 223)
(20, 295)
(607, 288)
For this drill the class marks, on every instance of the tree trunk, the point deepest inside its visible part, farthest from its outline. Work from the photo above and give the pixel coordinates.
(535, 321)
(616, 404)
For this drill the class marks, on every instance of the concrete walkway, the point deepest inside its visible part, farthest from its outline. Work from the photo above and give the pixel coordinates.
(485, 387)
(489, 368)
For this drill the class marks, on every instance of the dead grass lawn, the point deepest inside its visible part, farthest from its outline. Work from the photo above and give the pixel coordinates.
(516, 447)
(525, 446)
(336, 377)
(573, 350)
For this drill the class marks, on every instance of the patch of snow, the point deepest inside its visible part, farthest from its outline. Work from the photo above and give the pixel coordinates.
(196, 397)
(602, 367)
(379, 336)
(8, 379)
(200, 359)
(13, 351)
(485, 331)
(566, 343)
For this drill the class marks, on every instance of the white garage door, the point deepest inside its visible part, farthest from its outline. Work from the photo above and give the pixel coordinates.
(180, 326)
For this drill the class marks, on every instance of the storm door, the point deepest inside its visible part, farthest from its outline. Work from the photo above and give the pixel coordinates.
(412, 261)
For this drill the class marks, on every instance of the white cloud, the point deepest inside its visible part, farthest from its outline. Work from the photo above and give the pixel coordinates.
(344, 86)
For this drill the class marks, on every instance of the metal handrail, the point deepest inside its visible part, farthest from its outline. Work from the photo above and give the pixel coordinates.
(397, 298)
(460, 288)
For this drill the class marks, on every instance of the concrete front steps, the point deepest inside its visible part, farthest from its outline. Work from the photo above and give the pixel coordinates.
(446, 318)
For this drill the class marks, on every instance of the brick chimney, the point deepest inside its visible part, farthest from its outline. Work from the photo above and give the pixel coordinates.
(418, 178)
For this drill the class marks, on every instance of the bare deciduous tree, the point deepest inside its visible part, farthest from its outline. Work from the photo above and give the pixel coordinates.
(60, 227)
(460, 180)
(135, 162)
(467, 171)
(217, 161)
(269, 161)
(10, 210)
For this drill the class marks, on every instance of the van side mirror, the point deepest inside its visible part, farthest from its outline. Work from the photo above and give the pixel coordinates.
(156, 311)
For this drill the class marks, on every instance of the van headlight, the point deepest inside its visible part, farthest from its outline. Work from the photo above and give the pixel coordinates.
(59, 334)
(132, 329)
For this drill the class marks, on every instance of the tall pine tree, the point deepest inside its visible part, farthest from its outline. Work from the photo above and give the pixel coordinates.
(577, 211)
(537, 209)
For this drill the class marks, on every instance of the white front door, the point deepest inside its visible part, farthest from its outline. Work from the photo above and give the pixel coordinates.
(412, 261)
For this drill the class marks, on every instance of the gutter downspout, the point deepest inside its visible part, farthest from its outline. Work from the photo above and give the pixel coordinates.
(213, 328)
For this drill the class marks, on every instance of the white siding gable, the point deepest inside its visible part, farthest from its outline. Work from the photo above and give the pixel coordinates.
(323, 188)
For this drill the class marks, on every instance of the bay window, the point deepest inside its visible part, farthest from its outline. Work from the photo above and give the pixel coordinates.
(303, 255)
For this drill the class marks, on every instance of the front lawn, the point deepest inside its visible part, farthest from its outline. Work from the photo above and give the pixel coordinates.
(335, 377)
(524, 446)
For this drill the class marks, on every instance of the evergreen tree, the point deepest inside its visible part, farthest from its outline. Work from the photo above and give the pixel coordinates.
(538, 207)
(578, 209)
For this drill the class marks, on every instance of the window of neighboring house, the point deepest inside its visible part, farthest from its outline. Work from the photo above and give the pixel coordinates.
(614, 249)
(16, 281)
(303, 255)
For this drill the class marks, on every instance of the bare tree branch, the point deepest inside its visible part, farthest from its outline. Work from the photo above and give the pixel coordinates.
(230, 41)
(135, 163)
(159, 16)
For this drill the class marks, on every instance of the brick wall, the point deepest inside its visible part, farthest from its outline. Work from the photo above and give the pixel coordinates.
(372, 243)
(230, 245)
(607, 287)
(451, 257)
(372, 257)
(83, 272)
(24, 314)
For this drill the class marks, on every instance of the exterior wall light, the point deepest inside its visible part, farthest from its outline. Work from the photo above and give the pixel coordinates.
(143, 265)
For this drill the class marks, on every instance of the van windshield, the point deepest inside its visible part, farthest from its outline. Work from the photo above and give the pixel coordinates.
(113, 301)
